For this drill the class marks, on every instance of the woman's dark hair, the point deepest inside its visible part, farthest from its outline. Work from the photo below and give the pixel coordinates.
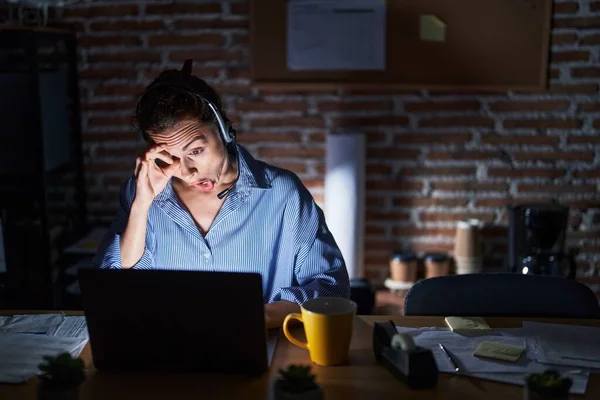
(164, 104)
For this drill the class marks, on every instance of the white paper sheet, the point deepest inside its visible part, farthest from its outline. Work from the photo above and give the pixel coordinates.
(74, 327)
(572, 345)
(21, 354)
(344, 209)
(336, 34)
(462, 346)
(42, 324)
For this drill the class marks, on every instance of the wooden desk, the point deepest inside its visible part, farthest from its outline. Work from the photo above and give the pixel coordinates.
(362, 378)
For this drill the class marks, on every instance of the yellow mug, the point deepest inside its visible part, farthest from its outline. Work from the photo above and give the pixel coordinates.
(328, 327)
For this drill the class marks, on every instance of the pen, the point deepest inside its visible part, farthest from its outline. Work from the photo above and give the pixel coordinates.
(454, 364)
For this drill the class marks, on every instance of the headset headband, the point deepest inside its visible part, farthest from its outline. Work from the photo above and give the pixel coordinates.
(187, 83)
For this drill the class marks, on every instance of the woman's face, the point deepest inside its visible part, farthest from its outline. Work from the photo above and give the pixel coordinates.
(200, 150)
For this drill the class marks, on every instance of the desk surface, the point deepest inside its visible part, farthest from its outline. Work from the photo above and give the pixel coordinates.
(362, 378)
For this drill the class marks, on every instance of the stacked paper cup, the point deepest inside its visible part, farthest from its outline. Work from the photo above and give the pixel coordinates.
(468, 247)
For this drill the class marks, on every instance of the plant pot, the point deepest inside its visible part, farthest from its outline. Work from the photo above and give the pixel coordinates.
(530, 394)
(315, 394)
(44, 393)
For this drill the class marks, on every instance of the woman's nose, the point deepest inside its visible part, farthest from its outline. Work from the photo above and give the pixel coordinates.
(187, 171)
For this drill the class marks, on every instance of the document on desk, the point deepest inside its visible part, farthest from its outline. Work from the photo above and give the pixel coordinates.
(577, 346)
(74, 327)
(21, 354)
(462, 346)
(42, 324)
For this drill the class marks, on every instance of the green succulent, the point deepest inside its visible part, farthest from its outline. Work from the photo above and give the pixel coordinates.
(62, 372)
(297, 379)
(549, 383)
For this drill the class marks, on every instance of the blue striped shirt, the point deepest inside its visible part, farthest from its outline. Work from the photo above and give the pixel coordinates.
(268, 224)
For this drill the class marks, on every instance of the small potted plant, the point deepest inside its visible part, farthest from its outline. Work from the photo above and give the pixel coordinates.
(547, 385)
(60, 378)
(297, 383)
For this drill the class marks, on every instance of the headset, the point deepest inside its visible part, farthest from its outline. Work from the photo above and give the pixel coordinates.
(187, 82)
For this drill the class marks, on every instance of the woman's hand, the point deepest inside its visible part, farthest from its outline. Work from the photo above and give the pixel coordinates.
(151, 178)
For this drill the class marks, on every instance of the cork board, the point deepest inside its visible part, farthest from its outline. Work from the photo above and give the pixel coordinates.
(488, 44)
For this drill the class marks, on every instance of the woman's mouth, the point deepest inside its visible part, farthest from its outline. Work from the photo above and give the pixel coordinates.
(205, 185)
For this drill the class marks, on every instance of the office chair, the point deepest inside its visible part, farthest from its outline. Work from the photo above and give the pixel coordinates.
(502, 295)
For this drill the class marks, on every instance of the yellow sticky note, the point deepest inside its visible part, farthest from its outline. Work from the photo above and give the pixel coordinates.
(467, 324)
(432, 29)
(499, 351)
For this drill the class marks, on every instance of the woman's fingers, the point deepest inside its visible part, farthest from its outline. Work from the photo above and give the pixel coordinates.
(164, 157)
(170, 169)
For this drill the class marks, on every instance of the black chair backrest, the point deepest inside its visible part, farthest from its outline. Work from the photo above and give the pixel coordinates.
(502, 294)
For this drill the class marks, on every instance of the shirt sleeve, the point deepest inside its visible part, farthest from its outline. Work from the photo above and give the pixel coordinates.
(108, 254)
(319, 268)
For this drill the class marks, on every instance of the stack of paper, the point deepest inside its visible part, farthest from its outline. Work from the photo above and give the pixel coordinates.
(25, 339)
(462, 347)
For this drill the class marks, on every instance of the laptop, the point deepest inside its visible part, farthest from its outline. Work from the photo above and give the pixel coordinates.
(176, 321)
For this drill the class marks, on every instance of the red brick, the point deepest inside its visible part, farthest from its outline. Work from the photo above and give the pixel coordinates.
(428, 216)
(587, 174)
(589, 107)
(107, 73)
(378, 169)
(542, 105)
(564, 38)
(445, 171)
(596, 123)
(124, 136)
(297, 152)
(132, 56)
(394, 185)
(111, 166)
(415, 232)
(374, 201)
(590, 39)
(582, 205)
(583, 139)
(109, 106)
(551, 173)
(521, 139)
(591, 22)
(535, 188)
(110, 120)
(429, 202)
(100, 11)
(183, 8)
(241, 39)
(356, 106)
(545, 123)
(375, 138)
(207, 55)
(554, 73)
(433, 138)
(238, 73)
(554, 156)
(442, 106)
(239, 8)
(463, 155)
(565, 8)
(232, 89)
(457, 121)
(276, 90)
(122, 89)
(494, 202)
(316, 137)
(126, 26)
(71, 26)
(103, 41)
(201, 72)
(398, 154)
(470, 186)
(374, 230)
(177, 40)
(308, 122)
(379, 91)
(587, 72)
(129, 152)
(387, 216)
(370, 121)
(252, 137)
(380, 259)
(270, 106)
(584, 88)
(431, 246)
(211, 24)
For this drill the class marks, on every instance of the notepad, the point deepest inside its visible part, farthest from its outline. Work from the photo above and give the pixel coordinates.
(499, 351)
(467, 324)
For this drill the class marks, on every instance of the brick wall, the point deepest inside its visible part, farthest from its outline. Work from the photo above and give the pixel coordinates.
(433, 157)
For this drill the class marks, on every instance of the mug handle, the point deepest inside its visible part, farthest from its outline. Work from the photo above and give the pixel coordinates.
(288, 335)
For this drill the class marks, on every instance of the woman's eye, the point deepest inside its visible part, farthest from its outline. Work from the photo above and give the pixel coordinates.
(195, 152)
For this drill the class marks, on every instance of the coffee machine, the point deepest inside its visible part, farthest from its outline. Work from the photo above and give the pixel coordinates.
(536, 240)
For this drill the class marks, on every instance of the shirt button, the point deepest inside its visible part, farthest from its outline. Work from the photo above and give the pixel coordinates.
(207, 255)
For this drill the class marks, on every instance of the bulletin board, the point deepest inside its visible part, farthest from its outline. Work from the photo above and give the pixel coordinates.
(488, 44)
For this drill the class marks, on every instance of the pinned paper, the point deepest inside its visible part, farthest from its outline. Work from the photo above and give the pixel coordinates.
(432, 29)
